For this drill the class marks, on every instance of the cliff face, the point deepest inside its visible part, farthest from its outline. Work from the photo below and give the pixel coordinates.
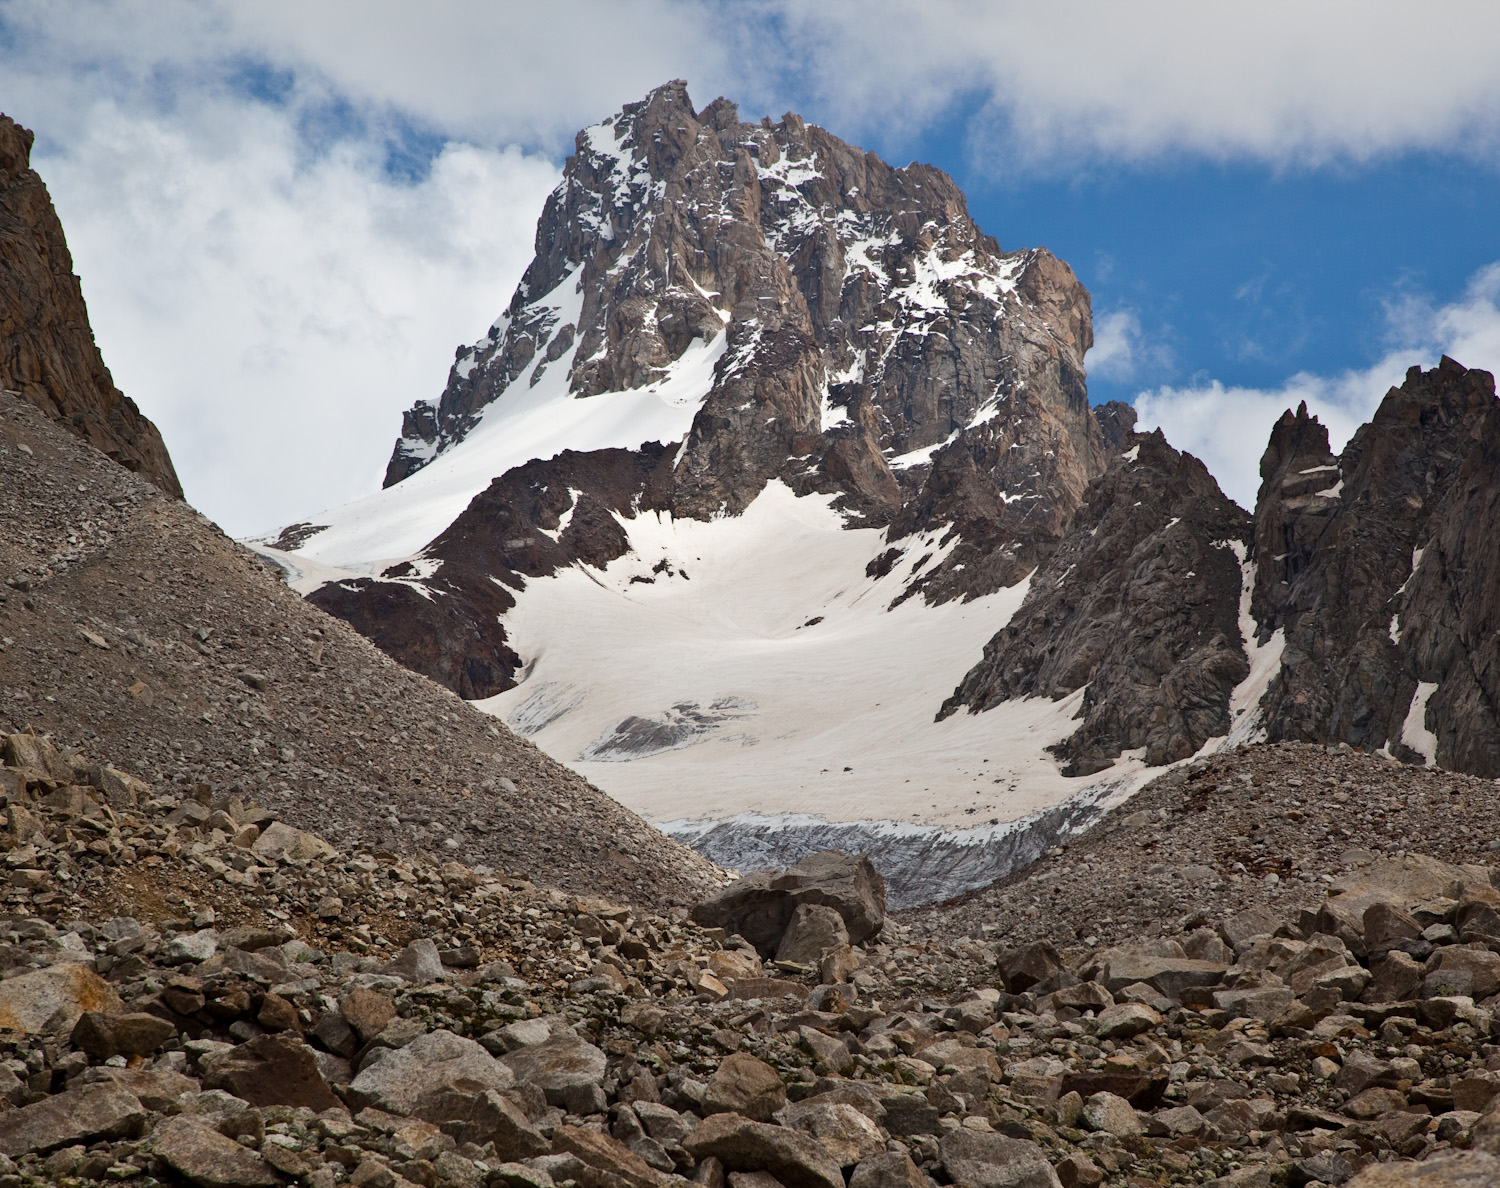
(868, 342)
(47, 351)
(1140, 604)
(1380, 566)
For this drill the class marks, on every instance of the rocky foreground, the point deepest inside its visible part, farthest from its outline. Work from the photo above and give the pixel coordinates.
(197, 992)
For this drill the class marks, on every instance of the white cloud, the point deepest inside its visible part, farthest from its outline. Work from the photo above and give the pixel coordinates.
(1121, 351)
(1280, 81)
(1228, 427)
(274, 317)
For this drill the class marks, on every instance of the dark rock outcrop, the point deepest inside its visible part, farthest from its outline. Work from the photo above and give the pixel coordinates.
(47, 351)
(1140, 602)
(1382, 568)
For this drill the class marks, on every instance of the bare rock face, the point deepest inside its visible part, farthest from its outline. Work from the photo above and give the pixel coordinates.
(1139, 602)
(47, 351)
(1382, 569)
(876, 346)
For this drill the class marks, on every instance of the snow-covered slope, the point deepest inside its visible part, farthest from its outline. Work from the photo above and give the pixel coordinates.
(747, 482)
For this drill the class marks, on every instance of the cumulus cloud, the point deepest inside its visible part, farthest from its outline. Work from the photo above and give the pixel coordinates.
(1228, 427)
(1278, 81)
(274, 316)
(1122, 352)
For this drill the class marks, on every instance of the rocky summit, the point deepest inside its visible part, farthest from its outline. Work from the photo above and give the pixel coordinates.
(764, 397)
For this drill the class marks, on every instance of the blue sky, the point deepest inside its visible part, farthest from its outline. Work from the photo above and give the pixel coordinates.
(287, 215)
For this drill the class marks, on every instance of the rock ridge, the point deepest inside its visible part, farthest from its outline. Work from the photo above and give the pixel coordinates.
(47, 351)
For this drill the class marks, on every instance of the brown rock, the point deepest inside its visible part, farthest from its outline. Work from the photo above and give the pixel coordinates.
(270, 1070)
(742, 1145)
(136, 1034)
(277, 1014)
(978, 1160)
(367, 1011)
(744, 1085)
(480, 1118)
(893, 1169)
(207, 1158)
(605, 1154)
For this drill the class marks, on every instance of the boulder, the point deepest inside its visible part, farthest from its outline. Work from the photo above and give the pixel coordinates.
(1024, 967)
(1111, 1114)
(742, 1145)
(893, 1169)
(760, 906)
(433, 1061)
(1171, 976)
(842, 1130)
(569, 1071)
(1482, 966)
(155, 1088)
(486, 1116)
(270, 1070)
(975, 1159)
(51, 1000)
(606, 1154)
(367, 1012)
(1125, 1019)
(1388, 926)
(281, 842)
(1243, 928)
(1468, 1169)
(204, 1156)
(419, 962)
(813, 931)
(103, 1035)
(1405, 882)
(1395, 978)
(744, 1085)
(82, 1115)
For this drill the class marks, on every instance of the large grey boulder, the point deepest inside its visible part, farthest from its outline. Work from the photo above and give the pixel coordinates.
(760, 906)
(78, 1116)
(569, 1072)
(437, 1060)
(978, 1160)
(795, 1159)
(813, 932)
(205, 1157)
